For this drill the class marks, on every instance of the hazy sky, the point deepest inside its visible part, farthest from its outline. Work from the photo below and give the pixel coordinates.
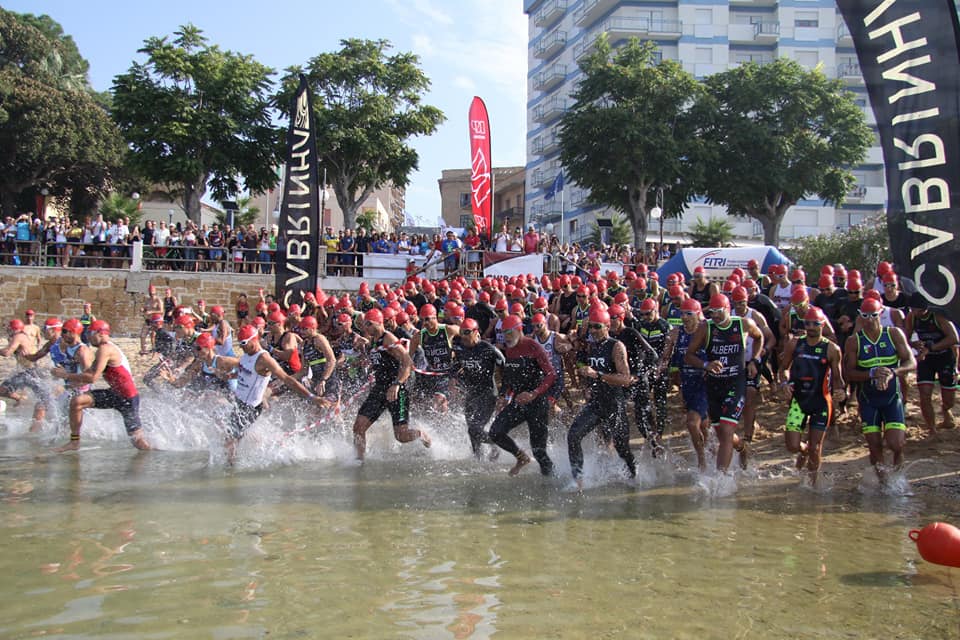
(466, 47)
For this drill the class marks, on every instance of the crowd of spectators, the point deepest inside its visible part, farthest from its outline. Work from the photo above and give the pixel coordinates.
(96, 242)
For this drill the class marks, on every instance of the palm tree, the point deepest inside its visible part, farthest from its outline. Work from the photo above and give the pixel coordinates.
(620, 232)
(243, 215)
(117, 205)
(716, 232)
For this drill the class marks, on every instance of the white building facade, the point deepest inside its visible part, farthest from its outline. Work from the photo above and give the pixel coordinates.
(705, 36)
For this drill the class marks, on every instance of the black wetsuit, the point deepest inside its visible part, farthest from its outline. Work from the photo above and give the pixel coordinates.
(606, 408)
(475, 369)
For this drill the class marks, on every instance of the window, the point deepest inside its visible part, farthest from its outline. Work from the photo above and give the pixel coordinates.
(466, 220)
(806, 19)
(704, 55)
(464, 200)
(573, 228)
(703, 16)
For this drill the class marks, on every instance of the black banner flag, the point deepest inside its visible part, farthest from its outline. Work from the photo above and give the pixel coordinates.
(300, 216)
(908, 52)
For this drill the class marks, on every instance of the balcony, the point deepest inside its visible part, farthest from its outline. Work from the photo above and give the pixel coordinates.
(579, 197)
(550, 44)
(856, 194)
(545, 212)
(766, 32)
(849, 72)
(844, 39)
(549, 110)
(753, 3)
(545, 144)
(591, 11)
(544, 177)
(510, 216)
(586, 45)
(550, 13)
(621, 28)
(551, 77)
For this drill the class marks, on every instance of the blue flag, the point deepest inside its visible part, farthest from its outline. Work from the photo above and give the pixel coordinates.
(555, 187)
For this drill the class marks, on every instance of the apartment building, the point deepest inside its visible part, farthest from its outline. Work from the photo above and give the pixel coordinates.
(509, 191)
(705, 36)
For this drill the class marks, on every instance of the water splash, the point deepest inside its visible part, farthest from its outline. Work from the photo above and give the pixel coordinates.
(885, 481)
(716, 484)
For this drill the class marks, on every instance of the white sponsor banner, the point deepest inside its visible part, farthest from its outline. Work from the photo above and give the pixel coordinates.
(521, 265)
(720, 263)
(387, 266)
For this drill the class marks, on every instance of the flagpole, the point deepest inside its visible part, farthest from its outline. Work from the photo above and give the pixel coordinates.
(562, 189)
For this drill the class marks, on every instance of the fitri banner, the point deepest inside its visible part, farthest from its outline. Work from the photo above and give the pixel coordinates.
(908, 53)
(300, 218)
(481, 170)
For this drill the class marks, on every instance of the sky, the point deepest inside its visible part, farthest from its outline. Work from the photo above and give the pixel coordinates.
(466, 48)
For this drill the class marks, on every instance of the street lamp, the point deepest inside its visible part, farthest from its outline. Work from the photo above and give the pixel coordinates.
(656, 213)
(169, 217)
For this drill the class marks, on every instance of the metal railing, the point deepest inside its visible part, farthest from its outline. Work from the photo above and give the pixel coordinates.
(396, 268)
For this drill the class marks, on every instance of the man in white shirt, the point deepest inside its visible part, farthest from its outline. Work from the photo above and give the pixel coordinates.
(502, 238)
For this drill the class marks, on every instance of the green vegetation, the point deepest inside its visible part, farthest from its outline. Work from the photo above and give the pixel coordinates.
(774, 134)
(629, 132)
(367, 105)
(715, 232)
(197, 117)
(54, 133)
(860, 247)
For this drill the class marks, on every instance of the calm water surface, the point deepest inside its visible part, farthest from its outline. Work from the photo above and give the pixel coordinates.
(297, 543)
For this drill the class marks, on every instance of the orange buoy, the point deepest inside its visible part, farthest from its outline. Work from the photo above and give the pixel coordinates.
(939, 543)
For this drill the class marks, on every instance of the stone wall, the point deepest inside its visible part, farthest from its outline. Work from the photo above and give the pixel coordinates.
(117, 294)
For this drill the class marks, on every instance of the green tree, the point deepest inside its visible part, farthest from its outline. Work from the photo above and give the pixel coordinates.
(117, 205)
(244, 215)
(629, 132)
(197, 117)
(859, 247)
(774, 134)
(53, 133)
(620, 232)
(366, 220)
(367, 106)
(716, 232)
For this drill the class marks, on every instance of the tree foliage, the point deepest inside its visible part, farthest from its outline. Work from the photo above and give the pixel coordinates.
(620, 232)
(859, 247)
(117, 205)
(774, 134)
(367, 105)
(715, 232)
(629, 132)
(244, 214)
(198, 117)
(53, 133)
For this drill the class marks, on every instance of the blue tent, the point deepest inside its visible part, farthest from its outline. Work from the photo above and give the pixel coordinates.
(719, 263)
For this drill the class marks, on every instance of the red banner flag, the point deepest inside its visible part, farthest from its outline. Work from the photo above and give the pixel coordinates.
(481, 170)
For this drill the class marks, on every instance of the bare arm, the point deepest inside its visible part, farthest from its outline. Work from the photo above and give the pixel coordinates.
(266, 364)
(15, 343)
(696, 343)
(622, 377)
(668, 348)
(93, 373)
(44, 350)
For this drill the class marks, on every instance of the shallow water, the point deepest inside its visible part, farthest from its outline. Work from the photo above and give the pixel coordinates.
(297, 542)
